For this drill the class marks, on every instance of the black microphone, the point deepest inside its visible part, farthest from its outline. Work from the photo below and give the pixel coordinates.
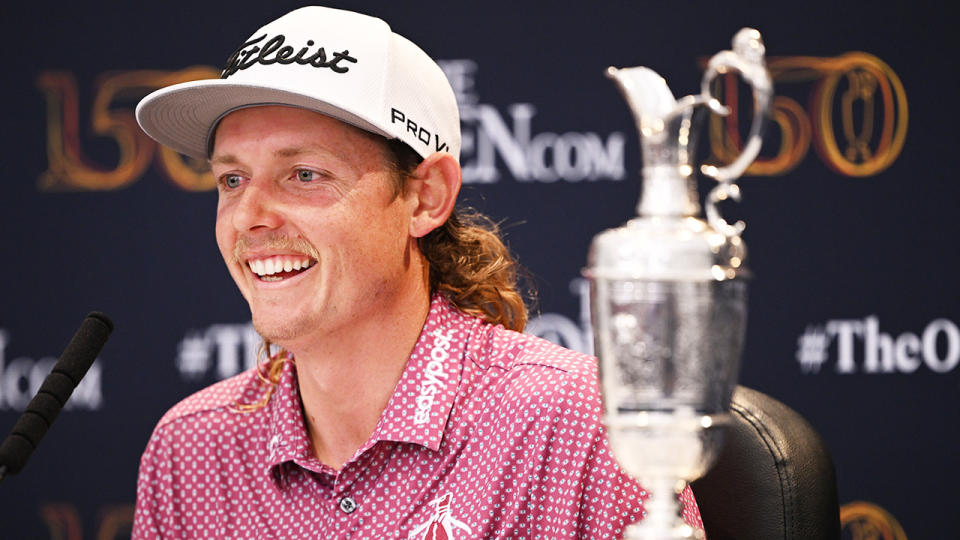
(54, 392)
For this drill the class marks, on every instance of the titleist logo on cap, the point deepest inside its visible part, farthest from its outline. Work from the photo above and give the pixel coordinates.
(273, 51)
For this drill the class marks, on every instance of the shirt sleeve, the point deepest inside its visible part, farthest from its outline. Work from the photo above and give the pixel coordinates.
(152, 518)
(610, 499)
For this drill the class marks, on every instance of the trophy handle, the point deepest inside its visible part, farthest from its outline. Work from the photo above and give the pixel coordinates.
(746, 58)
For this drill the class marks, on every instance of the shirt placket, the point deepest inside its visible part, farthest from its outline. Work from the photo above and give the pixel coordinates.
(354, 487)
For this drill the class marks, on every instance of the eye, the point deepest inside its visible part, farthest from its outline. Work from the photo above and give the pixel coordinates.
(231, 181)
(306, 175)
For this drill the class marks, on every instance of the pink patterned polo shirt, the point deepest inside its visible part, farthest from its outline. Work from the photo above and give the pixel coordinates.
(489, 434)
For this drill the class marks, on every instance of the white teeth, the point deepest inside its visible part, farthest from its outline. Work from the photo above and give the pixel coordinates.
(266, 268)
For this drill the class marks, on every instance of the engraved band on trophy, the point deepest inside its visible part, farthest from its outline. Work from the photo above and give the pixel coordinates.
(668, 296)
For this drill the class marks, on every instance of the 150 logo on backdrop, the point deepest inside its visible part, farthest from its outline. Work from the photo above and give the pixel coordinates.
(857, 117)
(112, 117)
(857, 120)
(866, 521)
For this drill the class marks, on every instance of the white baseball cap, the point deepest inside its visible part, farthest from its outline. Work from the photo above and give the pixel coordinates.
(349, 66)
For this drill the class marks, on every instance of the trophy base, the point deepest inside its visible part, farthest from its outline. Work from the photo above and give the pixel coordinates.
(661, 519)
(680, 531)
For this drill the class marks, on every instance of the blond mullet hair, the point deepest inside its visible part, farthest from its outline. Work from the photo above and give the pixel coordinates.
(469, 263)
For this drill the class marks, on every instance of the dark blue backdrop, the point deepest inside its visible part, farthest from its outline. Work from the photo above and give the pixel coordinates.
(853, 312)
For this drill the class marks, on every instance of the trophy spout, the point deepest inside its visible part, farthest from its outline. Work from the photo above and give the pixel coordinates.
(666, 142)
(668, 133)
(648, 95)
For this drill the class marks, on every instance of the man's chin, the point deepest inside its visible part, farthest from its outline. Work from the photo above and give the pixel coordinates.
(279, 332)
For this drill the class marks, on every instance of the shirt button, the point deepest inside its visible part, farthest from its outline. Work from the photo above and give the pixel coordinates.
(348, 505)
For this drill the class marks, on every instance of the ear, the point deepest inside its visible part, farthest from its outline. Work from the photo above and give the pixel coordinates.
(434, 186)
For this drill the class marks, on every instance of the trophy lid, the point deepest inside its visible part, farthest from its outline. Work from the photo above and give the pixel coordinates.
(666, 249)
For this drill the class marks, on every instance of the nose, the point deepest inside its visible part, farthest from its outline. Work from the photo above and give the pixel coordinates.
(256, 207)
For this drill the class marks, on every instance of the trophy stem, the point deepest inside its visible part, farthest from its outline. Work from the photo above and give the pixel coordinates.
(661, 520)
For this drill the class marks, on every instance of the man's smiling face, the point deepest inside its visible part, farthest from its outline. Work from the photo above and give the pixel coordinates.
(308, 221)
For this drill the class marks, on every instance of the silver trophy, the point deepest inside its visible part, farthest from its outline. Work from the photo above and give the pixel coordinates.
(668, 295)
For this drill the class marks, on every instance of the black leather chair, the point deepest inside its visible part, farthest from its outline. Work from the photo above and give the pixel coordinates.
(774, 478)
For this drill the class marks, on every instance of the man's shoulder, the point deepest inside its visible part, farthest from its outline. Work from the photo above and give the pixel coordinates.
(526, 386)
(218, 398)
(524, 371)
(513, 351)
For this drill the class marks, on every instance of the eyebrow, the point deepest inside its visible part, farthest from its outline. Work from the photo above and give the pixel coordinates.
(226, 159)
(230, 159)
(291, 152)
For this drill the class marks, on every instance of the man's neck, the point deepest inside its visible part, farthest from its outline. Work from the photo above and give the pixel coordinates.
(346, 379)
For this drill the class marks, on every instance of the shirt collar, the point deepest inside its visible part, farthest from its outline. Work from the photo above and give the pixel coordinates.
(288, 439)
(420, 406)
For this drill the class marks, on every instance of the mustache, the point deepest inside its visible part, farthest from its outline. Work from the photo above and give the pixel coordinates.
(273, 241)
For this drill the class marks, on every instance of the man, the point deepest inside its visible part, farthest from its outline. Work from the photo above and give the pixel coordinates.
(398, 401)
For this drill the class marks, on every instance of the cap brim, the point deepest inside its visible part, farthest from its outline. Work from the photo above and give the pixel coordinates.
(183, 116)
